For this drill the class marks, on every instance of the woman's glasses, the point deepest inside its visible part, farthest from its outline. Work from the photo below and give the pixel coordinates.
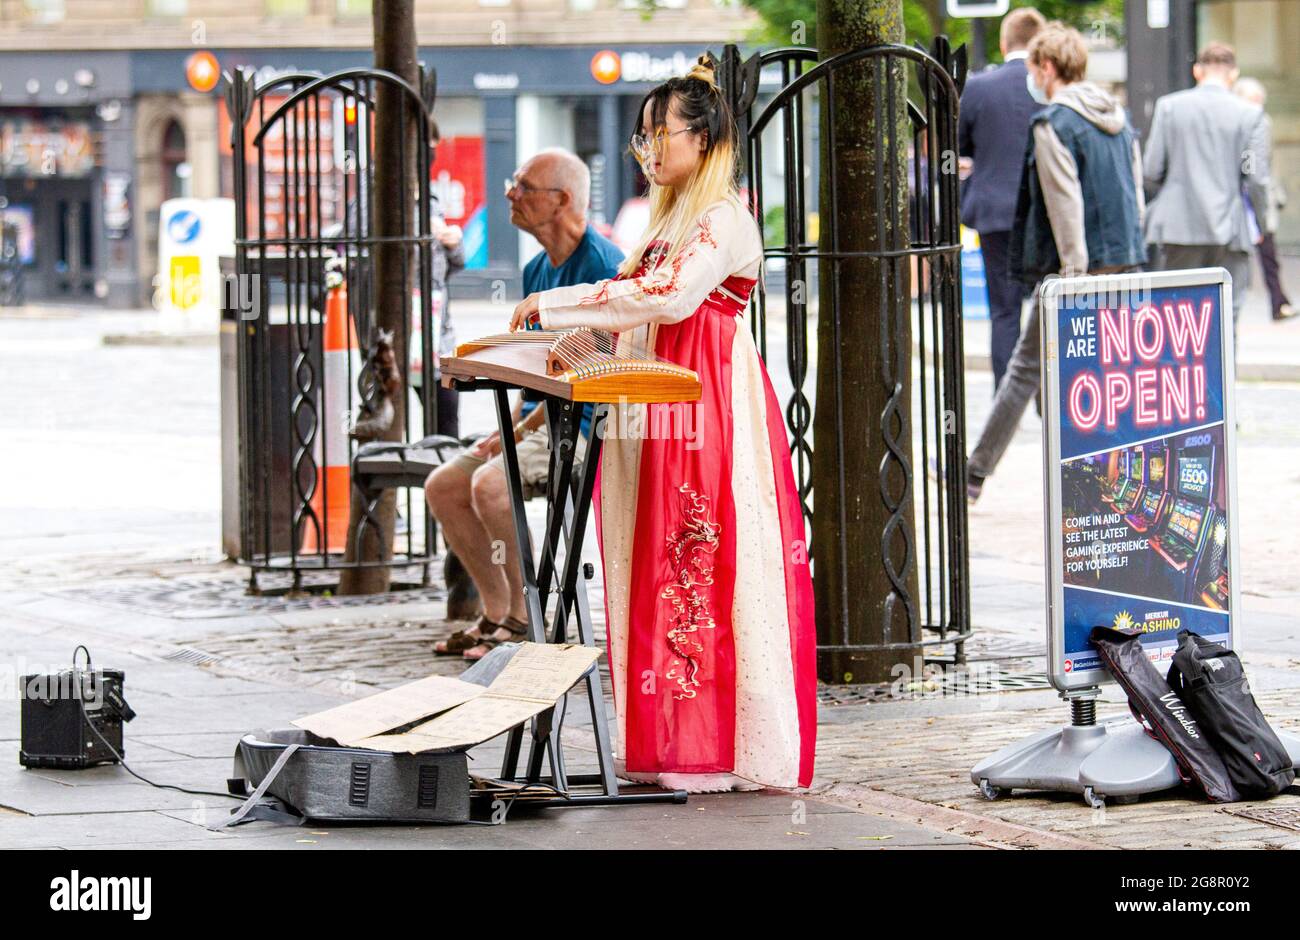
(513, 182)
(643, 146)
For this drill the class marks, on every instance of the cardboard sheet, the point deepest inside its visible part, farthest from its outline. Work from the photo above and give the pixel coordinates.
(533, 681)
(384, 711)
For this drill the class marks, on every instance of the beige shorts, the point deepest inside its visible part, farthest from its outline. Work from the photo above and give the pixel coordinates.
(534, 453)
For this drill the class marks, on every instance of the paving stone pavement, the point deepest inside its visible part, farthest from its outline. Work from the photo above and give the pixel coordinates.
(260, 670)
(199, 682)
(926, 755)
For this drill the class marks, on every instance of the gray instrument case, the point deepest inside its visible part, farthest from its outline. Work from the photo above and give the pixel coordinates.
(315, 778)
(320, 781)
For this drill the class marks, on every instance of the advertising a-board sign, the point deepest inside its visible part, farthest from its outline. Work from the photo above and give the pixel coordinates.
(1140, 463)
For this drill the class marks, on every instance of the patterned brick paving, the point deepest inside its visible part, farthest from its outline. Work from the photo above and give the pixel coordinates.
(929, 759)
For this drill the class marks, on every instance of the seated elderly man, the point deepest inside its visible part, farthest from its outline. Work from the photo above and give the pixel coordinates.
(468, 496)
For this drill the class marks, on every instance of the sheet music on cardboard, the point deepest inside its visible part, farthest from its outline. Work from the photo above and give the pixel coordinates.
(391, 709)
(460, 714)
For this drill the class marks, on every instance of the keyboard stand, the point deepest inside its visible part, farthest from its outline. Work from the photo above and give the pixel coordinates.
(561, 572)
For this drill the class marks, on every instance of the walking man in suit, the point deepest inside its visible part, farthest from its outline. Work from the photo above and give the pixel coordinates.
(993, 131)
(1206, 145)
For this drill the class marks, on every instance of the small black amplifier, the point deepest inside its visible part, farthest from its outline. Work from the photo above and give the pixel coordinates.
(62, 712)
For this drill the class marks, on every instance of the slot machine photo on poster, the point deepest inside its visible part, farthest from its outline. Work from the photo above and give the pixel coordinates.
(1140, 463)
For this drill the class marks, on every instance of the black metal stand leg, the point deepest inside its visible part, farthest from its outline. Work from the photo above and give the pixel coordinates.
(574, 590)
(568, 507)
(532, 595)
(564, 427)
(573, 498)
(561, 428)
(544, 732)
(510, 766)
(510, 456)
(562, 519)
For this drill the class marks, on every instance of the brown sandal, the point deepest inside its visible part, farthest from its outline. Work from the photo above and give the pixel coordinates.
(460, 641)
(517, 629)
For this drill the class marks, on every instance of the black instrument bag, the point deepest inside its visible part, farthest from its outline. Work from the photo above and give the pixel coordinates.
(1209, 678)
(1158, 708)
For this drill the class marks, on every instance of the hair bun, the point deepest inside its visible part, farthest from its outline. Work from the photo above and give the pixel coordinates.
(703, 69)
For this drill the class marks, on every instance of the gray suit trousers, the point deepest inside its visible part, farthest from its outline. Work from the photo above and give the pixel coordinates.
(1181, 257)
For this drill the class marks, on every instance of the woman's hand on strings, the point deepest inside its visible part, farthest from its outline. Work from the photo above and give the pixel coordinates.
(527, 312)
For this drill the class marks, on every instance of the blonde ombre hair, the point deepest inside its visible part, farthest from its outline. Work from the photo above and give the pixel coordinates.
(674, 214)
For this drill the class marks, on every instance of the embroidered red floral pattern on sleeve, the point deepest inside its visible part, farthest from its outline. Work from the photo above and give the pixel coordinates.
(650, 278)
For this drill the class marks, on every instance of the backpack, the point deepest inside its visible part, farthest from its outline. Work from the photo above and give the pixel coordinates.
(1157, 708)
(1209, 678)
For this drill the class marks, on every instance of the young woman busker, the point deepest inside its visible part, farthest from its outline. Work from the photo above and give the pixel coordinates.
(708, 594)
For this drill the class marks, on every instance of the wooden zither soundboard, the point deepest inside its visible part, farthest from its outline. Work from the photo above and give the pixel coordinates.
(577, 365)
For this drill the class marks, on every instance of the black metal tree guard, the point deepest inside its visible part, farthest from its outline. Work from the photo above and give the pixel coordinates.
(941, 616)
(303, 181)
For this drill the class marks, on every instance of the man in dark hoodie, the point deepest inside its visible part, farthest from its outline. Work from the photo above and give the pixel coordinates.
(1079, 212)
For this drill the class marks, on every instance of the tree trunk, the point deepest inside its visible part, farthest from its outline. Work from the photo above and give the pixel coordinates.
(862, 425)
(394, 200)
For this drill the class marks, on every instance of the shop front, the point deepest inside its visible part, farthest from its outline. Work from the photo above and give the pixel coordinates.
(49, 187)
(67, 176)
(92, 144)
(494, 110)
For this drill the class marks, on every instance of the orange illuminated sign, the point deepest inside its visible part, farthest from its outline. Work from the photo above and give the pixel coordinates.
(606, 67)
(202, 71)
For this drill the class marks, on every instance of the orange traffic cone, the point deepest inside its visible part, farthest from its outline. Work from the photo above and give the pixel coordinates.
(331, 500)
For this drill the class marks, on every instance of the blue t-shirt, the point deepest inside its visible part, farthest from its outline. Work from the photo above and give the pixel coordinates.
(595, 259)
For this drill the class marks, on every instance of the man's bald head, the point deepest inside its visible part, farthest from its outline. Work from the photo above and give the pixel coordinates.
(549, 195)
(560, 169)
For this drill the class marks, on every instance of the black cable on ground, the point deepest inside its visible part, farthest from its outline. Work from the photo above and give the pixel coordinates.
(81, 700)
(161, 786)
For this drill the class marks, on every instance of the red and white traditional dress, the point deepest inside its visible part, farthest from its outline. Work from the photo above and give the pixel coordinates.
(708, 596)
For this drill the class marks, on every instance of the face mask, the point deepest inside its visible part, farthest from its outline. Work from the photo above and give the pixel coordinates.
(1034, 91)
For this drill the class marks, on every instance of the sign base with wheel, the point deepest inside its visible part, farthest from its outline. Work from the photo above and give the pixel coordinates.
(1112, 759)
